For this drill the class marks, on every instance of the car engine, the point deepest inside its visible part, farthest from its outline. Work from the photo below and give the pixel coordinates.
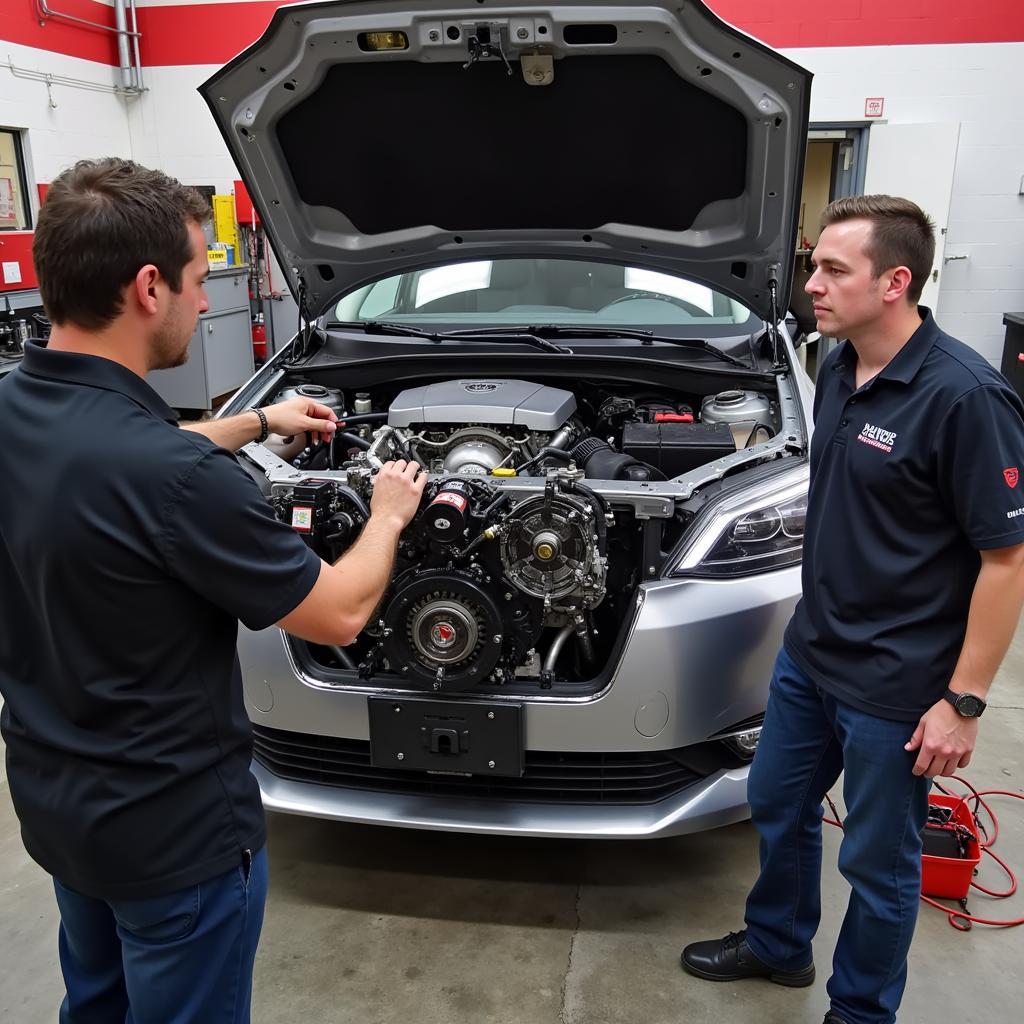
(512, 420)
(523, 559)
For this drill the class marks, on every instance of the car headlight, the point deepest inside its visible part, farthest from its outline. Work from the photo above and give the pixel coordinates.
(752, 530)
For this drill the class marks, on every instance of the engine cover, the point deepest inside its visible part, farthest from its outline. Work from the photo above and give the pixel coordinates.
(514, 402)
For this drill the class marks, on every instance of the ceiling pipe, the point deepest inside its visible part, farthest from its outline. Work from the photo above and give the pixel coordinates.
(131, 71)
(123, 52)
(135, 46)
(49, 12)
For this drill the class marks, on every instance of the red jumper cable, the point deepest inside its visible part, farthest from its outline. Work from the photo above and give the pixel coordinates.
(960, 919)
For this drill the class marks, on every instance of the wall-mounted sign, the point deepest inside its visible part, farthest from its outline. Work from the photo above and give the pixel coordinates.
(8, 213)
(873, 106)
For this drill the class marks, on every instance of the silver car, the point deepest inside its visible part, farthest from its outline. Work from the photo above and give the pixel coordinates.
(542, 250)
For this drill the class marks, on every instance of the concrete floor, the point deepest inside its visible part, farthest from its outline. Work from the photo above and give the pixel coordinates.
(376, 925)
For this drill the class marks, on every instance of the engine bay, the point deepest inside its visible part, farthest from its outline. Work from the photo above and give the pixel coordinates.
(545, 510)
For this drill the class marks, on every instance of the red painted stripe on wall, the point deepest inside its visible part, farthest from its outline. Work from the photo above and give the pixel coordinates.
(21, 23)
(201, 33)
(214, 33)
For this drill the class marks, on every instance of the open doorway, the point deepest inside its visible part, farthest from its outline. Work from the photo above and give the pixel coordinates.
(834, 167)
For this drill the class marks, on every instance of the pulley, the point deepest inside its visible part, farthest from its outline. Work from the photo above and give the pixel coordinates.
(444, 631)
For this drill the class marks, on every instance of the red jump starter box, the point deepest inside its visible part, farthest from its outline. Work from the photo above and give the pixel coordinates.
(949, 878)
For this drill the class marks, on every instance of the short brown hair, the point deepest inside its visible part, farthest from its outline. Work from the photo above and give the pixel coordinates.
(902, 235)
(100, 222)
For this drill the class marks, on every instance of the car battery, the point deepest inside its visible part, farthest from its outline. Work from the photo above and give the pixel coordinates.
(952, 849)
(676, 448)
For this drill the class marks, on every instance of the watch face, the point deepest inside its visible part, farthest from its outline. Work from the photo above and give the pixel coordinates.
(970, 706)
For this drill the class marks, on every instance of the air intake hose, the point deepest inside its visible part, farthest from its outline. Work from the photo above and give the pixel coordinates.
(599, 461)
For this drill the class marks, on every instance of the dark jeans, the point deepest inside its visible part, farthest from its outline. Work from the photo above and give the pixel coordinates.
(810, 737)
(183, 958)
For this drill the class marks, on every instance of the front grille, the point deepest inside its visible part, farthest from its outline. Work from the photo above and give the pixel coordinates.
(549, 778)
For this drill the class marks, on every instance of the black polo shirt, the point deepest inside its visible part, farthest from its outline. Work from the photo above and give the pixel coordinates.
(128, 551)
(911, 475)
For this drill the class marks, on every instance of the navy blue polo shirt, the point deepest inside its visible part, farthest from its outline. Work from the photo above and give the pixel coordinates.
(912, 475)
(129, 550)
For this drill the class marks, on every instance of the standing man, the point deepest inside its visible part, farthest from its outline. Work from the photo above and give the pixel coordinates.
(913, 580)
(129, 550)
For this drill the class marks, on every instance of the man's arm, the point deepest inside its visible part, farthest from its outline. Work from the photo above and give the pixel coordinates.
(232, 432)
(296, 416)
(346, 593)
(946, 740)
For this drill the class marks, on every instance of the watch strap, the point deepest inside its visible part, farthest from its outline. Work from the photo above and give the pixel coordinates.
(955, 699)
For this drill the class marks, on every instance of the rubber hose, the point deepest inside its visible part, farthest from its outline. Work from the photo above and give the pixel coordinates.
(362, 417)
(758, 426)
(353, 440)
(356, 499)
(544, 453)
(499, 502)
(586, 642)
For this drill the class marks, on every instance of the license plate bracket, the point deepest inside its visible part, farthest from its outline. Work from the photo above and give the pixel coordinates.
(458, 737)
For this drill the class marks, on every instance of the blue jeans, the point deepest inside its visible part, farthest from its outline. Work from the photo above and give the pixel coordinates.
(810, 737)
(183, 958)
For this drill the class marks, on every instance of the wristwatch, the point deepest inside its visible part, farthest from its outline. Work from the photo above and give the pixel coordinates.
(967, 705)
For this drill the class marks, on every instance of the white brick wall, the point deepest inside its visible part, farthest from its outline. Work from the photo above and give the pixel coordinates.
(84, 123)
(172, 129)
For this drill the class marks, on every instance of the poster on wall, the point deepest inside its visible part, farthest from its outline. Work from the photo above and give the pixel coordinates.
(8, 214)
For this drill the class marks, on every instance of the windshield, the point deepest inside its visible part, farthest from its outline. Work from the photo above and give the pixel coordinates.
(541, 291)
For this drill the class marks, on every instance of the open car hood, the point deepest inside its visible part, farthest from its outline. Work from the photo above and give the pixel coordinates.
(642, 132)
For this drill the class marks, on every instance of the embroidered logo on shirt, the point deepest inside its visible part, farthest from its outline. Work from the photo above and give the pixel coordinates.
(1011, 476)
(877, 437)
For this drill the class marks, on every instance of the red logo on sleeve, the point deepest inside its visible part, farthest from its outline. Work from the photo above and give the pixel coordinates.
(1011, 476)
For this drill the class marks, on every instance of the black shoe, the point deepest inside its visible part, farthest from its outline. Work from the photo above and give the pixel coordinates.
(731, 959)
(833, 1018)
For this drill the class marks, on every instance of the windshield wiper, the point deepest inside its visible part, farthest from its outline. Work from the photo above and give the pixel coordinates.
(527, 334)
(646, 337)
(524, 334)
(538, 335)
(384, 327)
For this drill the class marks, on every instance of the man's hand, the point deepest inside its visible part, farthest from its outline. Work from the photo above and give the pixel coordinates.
(301, 416)
(946, 741)
(397, 492)
(347, 593)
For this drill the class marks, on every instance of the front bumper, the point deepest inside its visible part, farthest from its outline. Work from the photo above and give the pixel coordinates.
(719, 800)
(697, 662)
